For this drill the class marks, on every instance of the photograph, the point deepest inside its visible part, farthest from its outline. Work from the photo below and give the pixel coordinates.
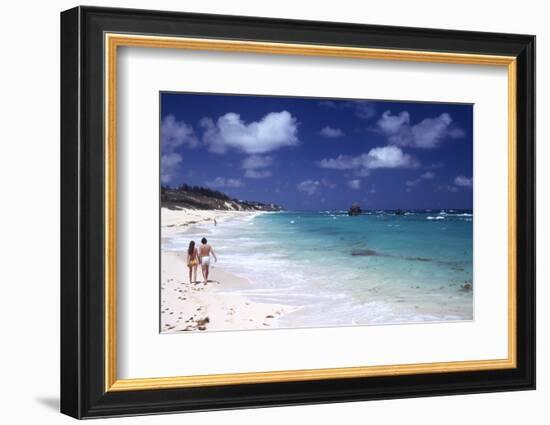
(287, 210)
(294, 212)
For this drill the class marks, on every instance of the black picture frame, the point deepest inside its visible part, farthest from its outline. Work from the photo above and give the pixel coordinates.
(83, 392)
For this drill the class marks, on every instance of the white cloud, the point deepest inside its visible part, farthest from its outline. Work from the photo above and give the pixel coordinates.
(446, 188)
(428, 175)
(176, 133)
(256, 161)
(459, 181)
(431, 131)
(363, 109)
(173, 134)
(382, 157)
(311, 187)
(169, 164)
(272, 132)
(393, 124)
(222, 182)
(355, 184)
(330, 132)
(254, 165)
(257, 174)
(427, 134)
(341, 162)
(388, 157)
(463, 181)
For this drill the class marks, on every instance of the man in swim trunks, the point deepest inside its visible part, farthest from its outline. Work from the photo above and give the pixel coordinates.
(205, 251)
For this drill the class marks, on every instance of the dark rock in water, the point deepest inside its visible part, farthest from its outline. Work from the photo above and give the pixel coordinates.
(467, 287)
(418, 259)
(399, 212)
(355, 210)
(364, 252)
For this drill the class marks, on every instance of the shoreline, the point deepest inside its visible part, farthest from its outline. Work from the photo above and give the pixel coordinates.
(216, 305)
(446, 297)
(177, 221)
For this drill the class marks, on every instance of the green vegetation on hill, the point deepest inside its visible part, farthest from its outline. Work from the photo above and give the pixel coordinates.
(204, 198)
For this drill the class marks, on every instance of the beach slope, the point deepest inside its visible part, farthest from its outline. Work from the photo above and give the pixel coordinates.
(215, 305)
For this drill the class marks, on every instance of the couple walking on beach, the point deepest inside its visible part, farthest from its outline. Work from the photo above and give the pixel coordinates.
(200, 255)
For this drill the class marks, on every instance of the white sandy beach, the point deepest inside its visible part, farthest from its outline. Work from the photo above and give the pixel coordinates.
(216, 305)
(180, 220)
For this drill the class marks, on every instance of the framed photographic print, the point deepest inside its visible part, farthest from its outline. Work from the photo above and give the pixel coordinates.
(261, 212)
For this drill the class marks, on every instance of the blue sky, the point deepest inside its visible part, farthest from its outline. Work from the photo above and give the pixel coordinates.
(316, 154)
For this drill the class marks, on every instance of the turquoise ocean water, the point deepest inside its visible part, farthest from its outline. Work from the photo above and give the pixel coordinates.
(377, 268)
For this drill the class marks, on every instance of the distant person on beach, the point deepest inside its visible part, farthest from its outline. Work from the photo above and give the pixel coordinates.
(192, 261)
(205, 250)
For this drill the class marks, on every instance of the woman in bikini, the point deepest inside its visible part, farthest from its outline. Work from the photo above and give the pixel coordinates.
(192, 261)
